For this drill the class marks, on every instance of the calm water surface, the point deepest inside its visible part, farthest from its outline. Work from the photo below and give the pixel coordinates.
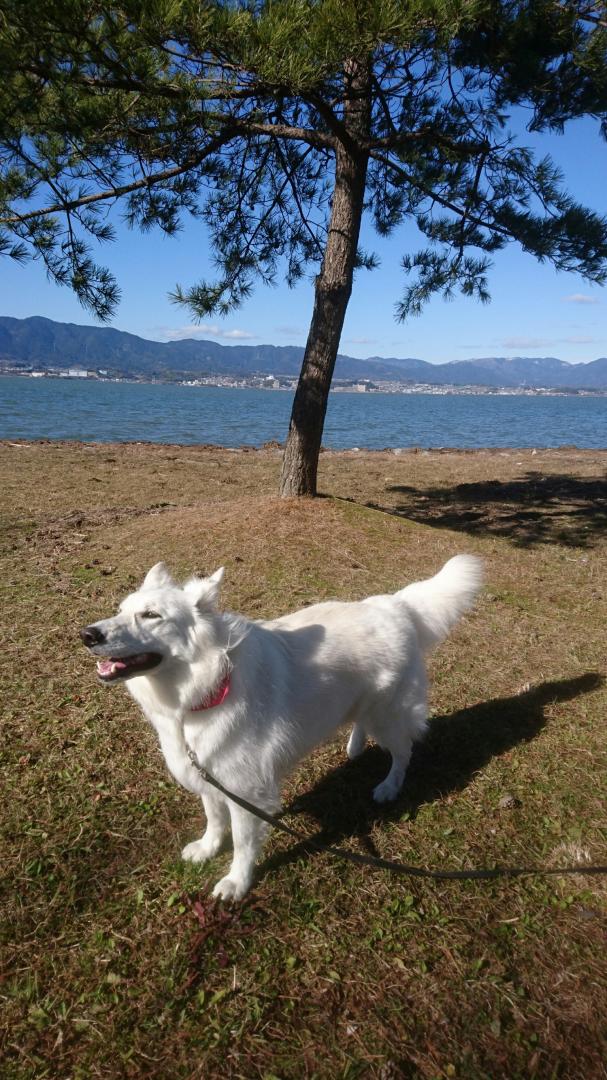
(128, 412)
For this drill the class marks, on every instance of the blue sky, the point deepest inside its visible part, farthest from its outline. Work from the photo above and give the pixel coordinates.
(534, 311)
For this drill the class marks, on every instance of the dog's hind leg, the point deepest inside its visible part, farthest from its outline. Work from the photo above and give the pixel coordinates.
(356, 742)
(248, 835)
(397, 729)
(390, 787)
(397, 736)
(218, 822)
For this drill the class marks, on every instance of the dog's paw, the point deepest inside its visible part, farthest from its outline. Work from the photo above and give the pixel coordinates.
(230, 889)
(200, 851)
(386, 791)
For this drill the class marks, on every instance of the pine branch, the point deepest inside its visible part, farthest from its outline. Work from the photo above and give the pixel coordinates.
(447, 204)
(117, 191)
(296, 197)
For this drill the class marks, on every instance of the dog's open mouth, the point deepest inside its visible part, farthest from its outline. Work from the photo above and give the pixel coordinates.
(121, 667)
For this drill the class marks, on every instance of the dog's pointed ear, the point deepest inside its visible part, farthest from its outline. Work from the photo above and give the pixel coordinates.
(204, 592)
(158, 577)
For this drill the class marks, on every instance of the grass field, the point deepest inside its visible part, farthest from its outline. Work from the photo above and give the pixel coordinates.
(115, 962)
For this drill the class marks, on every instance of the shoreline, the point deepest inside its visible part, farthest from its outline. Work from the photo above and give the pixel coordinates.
(274, 446)
(288, 385)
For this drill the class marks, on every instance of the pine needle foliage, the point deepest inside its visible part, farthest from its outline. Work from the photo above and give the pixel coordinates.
(231, 112)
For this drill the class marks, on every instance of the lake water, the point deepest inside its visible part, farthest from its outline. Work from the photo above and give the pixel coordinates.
(126, 412)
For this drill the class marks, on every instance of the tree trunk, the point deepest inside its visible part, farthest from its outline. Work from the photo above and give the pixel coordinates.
(331, 295)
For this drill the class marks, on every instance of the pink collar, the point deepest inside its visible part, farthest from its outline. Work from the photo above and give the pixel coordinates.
(216, 698)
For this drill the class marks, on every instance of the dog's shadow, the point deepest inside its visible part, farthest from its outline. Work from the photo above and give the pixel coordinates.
(456, 747)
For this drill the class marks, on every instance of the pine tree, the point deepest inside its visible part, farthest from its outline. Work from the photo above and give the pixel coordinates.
(280, 123)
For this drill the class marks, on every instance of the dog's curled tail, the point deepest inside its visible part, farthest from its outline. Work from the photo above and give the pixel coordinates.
(440, 601)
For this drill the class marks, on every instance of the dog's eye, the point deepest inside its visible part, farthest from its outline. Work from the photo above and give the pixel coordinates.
(150, 615)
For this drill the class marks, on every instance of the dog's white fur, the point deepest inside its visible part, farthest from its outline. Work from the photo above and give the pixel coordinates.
(293, 681)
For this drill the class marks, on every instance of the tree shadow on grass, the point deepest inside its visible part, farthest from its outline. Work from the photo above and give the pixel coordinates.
(533, 509)
(456, 747)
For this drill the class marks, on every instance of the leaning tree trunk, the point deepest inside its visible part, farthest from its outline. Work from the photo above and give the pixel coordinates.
(332, 293)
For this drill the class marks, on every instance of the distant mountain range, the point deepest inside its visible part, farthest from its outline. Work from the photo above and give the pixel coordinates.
(41, 344)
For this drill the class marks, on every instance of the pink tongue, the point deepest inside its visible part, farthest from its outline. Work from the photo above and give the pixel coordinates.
(105, 667)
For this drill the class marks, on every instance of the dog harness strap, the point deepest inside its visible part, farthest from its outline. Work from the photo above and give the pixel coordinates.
(217, 698)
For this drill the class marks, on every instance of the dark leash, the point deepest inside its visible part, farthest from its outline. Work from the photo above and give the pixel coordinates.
(391, 865)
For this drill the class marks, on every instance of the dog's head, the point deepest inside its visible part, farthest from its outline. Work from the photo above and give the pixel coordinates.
(159, 623)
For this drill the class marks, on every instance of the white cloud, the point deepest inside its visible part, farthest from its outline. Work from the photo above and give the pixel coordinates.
(360, 341)
(290, 331)
(526, 343)
(545, 343)
(202, 330)
(241, 335)
(581, 298)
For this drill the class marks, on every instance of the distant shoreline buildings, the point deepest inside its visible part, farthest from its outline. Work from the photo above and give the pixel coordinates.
(288, 383)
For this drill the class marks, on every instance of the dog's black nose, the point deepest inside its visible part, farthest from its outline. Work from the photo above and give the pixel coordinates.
(92, 635)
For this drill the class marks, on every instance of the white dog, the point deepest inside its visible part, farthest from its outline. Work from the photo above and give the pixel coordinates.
(252, 698)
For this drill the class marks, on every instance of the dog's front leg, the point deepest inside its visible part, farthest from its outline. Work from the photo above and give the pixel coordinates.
(218, 823)
(248, 835)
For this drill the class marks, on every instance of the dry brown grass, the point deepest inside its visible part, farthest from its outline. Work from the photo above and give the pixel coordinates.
(115, 962)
